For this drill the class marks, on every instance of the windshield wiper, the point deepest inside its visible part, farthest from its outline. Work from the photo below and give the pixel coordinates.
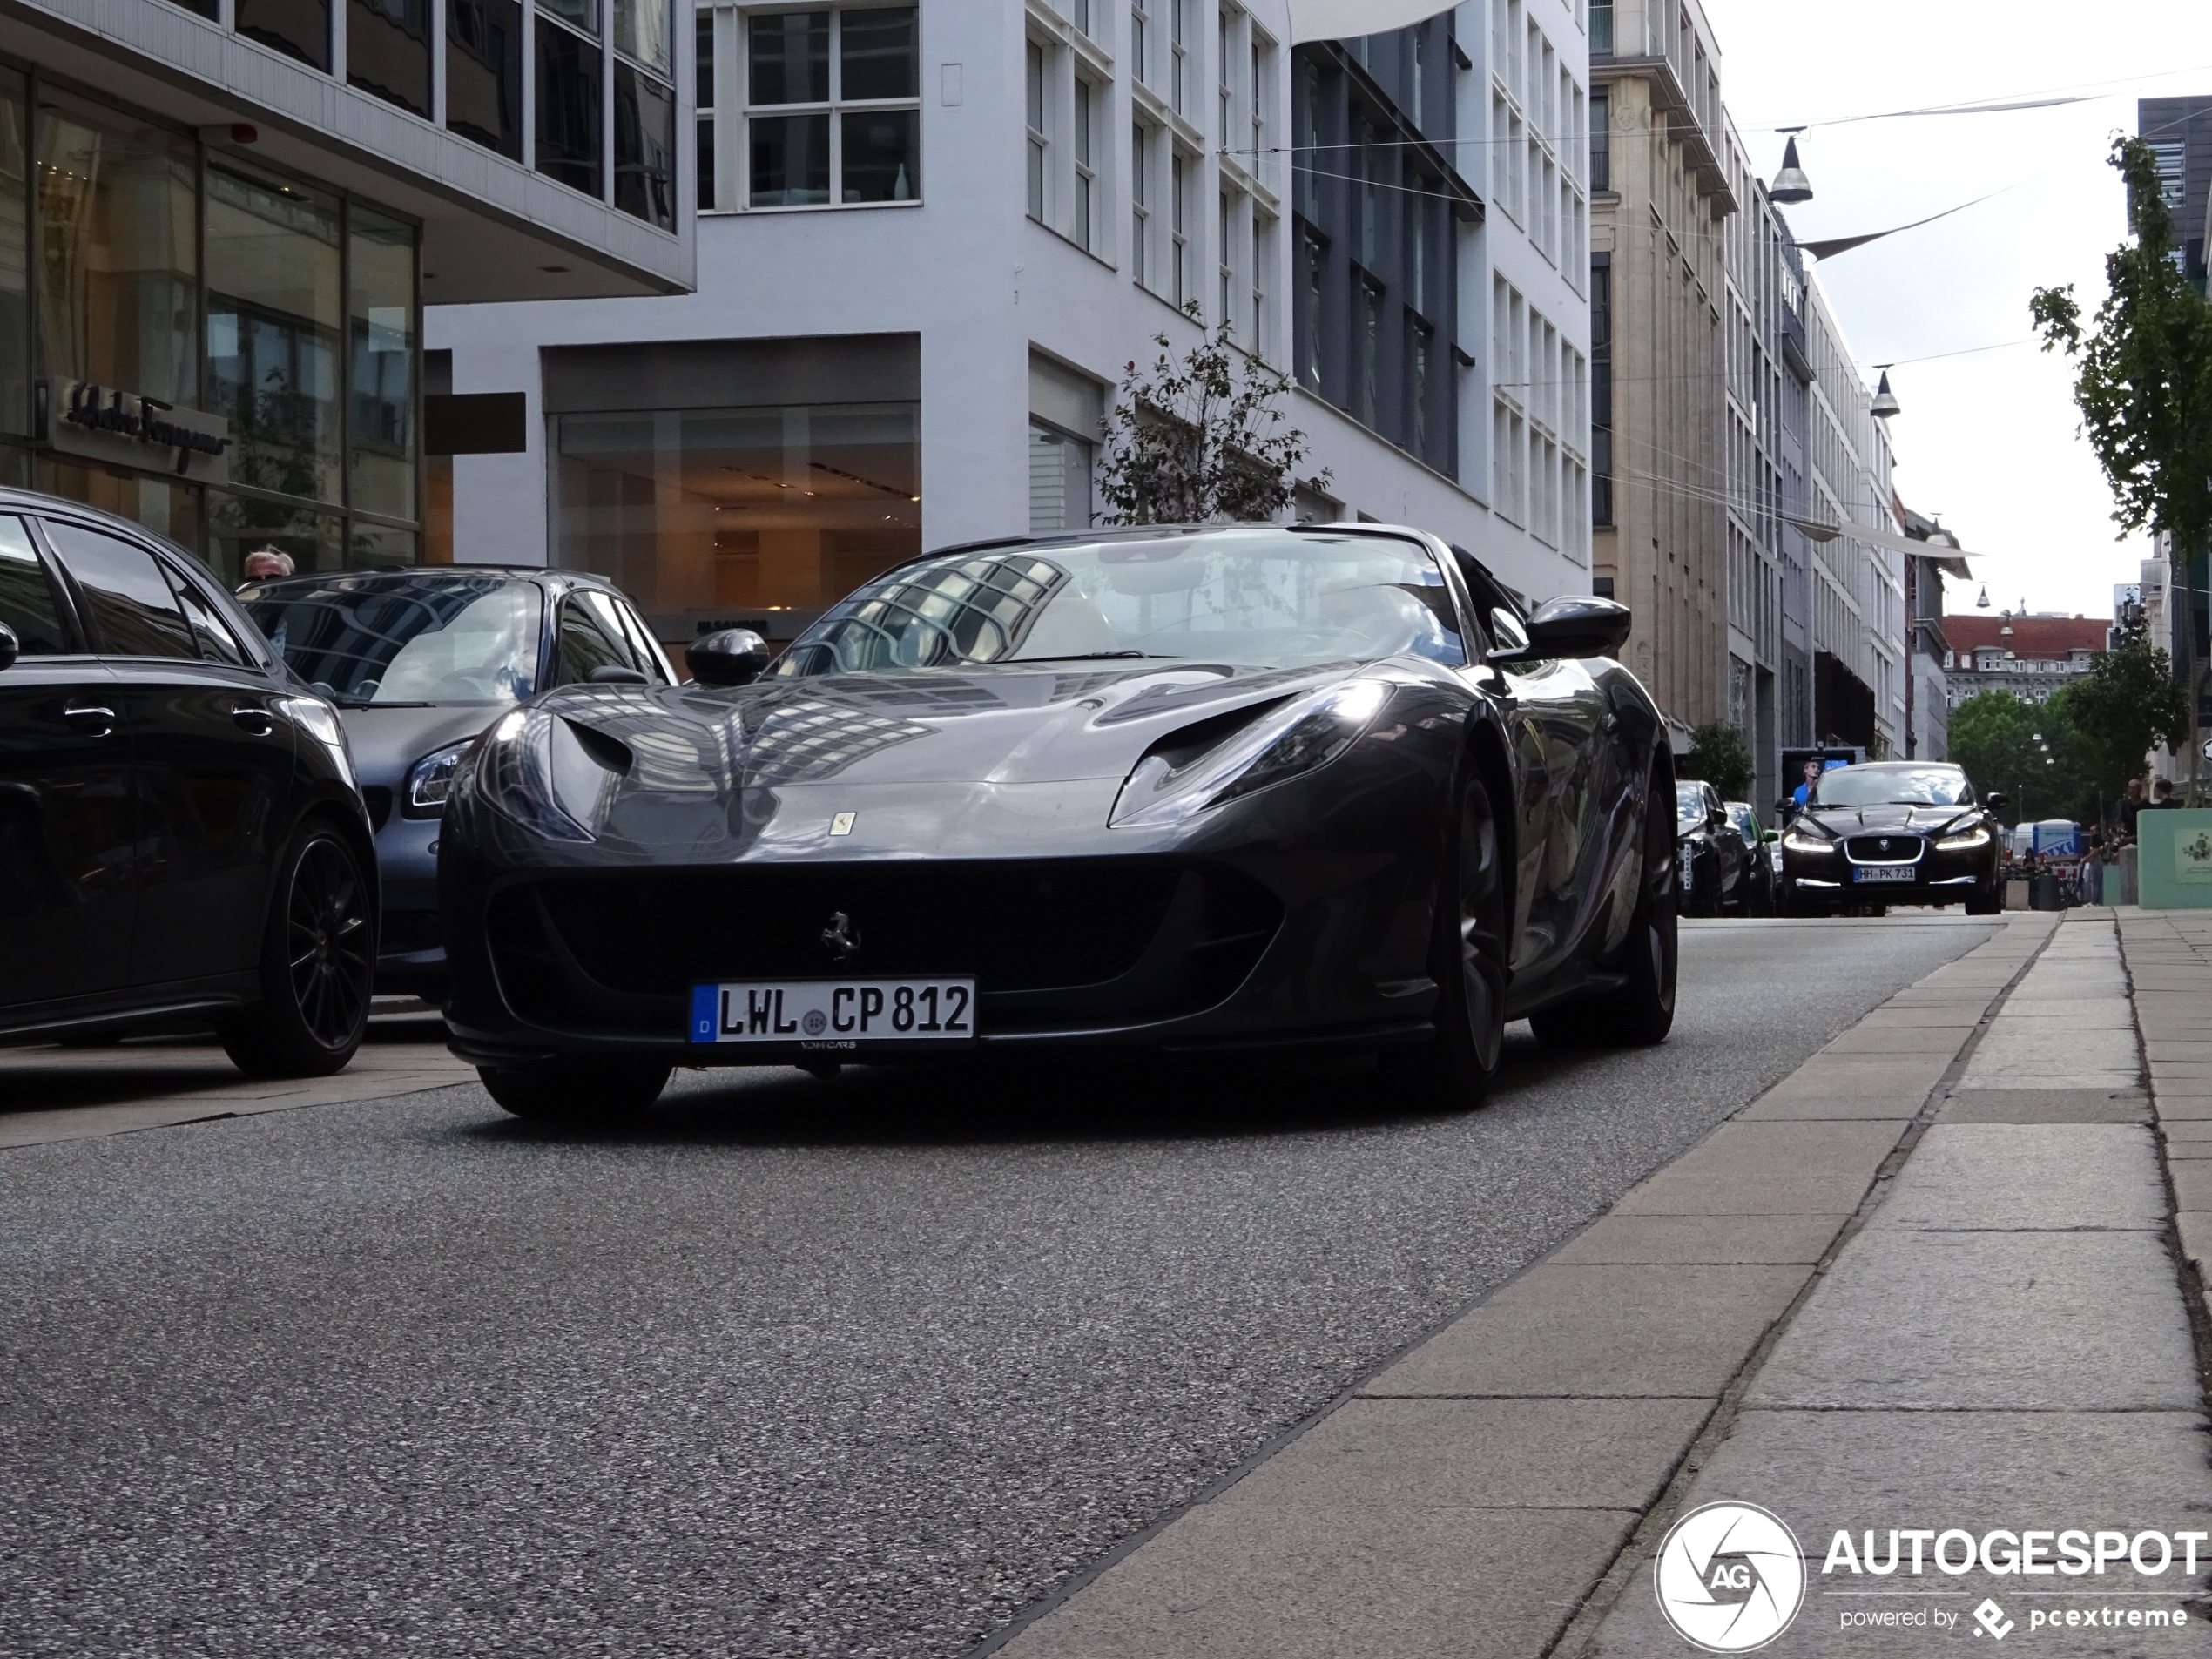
(1093, 656)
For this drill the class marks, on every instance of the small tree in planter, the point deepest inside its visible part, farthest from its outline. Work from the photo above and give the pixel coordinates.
(1719, 755)
(1200, 439)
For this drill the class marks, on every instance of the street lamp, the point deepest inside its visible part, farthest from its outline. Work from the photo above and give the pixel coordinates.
(1790, 185)
(1884, 404)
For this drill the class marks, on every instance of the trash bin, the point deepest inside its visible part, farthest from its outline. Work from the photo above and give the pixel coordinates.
(2123, 887)
(2043, 892)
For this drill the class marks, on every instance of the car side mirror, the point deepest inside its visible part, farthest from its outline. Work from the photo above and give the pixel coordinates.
(733, 657)
(615, 674)
(1573, 624)
(1995, 803)
(11, 647)
(1715, 820)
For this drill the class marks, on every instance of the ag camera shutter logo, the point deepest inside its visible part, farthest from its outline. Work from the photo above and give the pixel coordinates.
(1729, 1577)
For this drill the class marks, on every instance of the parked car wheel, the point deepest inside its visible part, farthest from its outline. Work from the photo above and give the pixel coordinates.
(318, 953)
(1987, 899)
(595, 1093)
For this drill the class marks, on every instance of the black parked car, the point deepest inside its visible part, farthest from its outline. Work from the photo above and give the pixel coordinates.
(1174, 788)
(1713, 865)
(419, 661)
(1894, 832)
(179, 830)
(1760, 875)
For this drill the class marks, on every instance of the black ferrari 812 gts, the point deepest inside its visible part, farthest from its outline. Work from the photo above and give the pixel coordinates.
(1181, 789)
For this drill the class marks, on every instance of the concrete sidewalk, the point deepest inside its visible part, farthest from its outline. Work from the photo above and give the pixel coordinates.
(1925, 1282)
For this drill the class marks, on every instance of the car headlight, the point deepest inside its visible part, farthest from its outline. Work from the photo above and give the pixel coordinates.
(430, 781)
(555, 778)
(1305, 733)
(320, 721)
(1797, 840)
(1966, 840)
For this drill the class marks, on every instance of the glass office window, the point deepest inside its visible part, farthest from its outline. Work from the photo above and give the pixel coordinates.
(645, 146)
(702, 105)
(851, 145)
(568, 108)
(298, 29)
(380, 320)
(273, 316)
(645, 29)
(878, 54)
(789, 57)
(578, 14)
(388, 51)
(117, 282)
(778, 508)
(484, 73)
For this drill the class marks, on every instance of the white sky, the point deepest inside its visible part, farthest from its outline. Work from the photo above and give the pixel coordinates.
(1989, 442)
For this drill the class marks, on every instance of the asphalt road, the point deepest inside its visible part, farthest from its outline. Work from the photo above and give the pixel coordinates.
(800, 1369)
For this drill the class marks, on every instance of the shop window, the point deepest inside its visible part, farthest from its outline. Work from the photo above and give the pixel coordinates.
(381, 321)
(568, 103)
(117, 276)
(274, 319)
(381, 546)
(298, 29)
(833, 107)
(778, 512)
(645, 146)
(388, 51)
(484, 73)
(164, 506)
(1059, 482)
(238, 525)
(15, 257)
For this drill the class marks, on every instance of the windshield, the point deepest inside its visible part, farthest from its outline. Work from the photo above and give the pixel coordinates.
(1690, 804)
(1258, 596)
(1890, 786)
(367, 640)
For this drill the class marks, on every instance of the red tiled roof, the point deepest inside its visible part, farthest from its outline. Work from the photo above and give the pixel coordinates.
(2033, 636)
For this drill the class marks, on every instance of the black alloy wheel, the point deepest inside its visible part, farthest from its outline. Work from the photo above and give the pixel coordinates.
(1468, 958)
(318, 959)
(1987, 897)
(1640, 1011)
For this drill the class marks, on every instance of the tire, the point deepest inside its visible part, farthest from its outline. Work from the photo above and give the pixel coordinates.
(579, 1092)
(318, 959)
(1987, 899)
(1642, 1011)
(1467, 958)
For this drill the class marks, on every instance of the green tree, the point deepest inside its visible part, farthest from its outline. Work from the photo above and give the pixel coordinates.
(2143, 380)
(2024, 751)
(2113, 714)
(1719, 755)
(1200, 439)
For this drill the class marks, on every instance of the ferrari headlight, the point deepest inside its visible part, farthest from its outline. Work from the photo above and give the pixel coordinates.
(1305, 733)
(1966, 840)
(537, 769)
(429, 781)
(320, 721)
(1797, 839)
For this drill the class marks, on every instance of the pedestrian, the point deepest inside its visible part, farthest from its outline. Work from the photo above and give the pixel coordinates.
(265, 563)
(2093, 875)
(2131, 805)
(2163, 790)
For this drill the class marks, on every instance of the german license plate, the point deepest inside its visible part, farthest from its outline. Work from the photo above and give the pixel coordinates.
(834, 1013)
(1885, 872)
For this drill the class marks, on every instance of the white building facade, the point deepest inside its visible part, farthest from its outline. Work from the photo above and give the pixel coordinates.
(933, 237)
